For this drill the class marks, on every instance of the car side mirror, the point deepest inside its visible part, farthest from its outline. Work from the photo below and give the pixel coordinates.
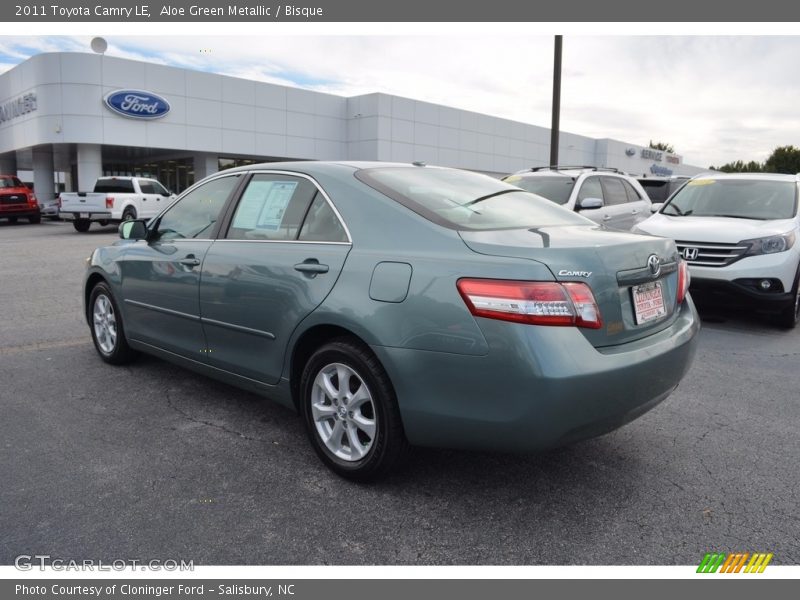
(588, 204)
(656, 206)
(133, 230)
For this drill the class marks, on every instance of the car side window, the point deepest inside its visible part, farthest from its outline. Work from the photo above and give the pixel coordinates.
(272, 207)
(322, 224)
(158, 188)
(146, 187)
(194, 214)
(614, 191)
(633, 195)
(591, 188)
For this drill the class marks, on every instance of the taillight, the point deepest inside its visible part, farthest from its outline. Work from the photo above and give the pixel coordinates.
(532, 302)
(32, 199)
(683, 280)
(109, 201)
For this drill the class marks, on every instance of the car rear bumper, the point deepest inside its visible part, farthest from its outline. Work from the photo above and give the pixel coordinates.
(11, 211)
(538, 387)
(74, 216)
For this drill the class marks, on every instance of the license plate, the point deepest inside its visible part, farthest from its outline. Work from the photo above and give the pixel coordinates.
(84, 215)
(648, 302)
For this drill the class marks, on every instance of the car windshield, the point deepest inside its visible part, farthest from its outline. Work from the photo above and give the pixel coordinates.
(737, 198)
(556, 189)
(465, 200)
(10, 182)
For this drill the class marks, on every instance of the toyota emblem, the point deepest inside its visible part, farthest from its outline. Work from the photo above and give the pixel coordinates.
(654, 264)
(690, 253)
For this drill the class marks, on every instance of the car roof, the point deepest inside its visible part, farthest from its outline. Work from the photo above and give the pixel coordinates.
(569, 171)
(310, 166)
(755, 176)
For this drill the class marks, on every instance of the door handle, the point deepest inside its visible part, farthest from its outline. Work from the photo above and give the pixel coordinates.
(190, 261)
(635, 211)
(606, 217)
(311, 266)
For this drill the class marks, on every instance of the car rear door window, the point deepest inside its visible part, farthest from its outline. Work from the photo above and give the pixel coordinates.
(114, 186)
(614, 191)
(633, 195)
(272, 207)
(322, 224)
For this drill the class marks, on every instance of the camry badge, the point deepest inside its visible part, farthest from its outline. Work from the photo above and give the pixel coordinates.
(565, 273)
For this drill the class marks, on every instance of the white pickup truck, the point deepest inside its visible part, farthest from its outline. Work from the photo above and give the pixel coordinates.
(114, 199)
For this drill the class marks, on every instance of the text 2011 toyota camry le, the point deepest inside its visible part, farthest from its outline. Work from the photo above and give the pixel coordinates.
(395, 305)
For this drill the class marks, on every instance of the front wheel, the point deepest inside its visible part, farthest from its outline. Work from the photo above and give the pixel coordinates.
(82, 225)
(108, 332)
(350, 411)
(790, 316)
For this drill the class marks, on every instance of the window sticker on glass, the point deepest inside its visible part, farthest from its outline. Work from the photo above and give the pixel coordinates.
(263, 205)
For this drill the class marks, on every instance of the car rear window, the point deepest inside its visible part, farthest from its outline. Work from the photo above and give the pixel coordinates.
(465, 200)
(113, 186)
(556, 189)
(738, 198)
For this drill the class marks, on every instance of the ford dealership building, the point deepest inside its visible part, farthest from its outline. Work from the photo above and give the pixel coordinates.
(68, 118)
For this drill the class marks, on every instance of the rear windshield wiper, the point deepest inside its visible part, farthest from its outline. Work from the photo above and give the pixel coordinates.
(487, 196)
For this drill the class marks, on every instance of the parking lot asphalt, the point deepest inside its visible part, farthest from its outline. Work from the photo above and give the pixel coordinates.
(151, 461)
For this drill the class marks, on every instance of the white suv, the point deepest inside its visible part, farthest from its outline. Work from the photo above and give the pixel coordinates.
(739, 234)
(604, 195)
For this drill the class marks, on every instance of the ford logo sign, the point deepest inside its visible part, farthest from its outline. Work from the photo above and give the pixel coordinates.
(137, 104)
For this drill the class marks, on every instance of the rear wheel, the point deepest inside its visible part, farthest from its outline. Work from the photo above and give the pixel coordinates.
(12, 219)
(350, 411)
(35, 219)
(82, 225)
(108, 332)
(129, 214)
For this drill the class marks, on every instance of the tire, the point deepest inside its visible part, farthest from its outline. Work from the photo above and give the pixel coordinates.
(129, 214)
(35, 220)
(789, 317)
(356, 430)
(102, 223)
(81, 225)
(108, 331)
(12, 219)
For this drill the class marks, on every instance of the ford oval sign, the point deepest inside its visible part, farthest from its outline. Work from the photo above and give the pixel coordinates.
(137, 104)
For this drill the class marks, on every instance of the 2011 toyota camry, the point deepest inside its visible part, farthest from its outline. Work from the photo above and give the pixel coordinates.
(395, 305)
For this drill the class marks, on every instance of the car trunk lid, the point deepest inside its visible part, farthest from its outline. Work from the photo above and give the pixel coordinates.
(613, 264)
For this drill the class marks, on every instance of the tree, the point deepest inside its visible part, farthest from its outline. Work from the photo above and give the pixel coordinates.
(740, 166)
(662, 146)
(784, 159)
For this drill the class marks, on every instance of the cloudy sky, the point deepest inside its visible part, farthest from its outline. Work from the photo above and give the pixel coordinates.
(715, 99)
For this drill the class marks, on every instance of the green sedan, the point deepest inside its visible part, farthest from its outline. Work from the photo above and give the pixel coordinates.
(395, 305)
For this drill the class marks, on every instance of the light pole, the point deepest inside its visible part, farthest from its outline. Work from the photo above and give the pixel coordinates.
(556, 101)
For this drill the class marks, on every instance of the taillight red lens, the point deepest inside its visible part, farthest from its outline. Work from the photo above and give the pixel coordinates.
(683, 280)
(531, 302)
(32, 199)
(109, 202)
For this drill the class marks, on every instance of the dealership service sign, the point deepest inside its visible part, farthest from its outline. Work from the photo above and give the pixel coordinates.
(137, 104)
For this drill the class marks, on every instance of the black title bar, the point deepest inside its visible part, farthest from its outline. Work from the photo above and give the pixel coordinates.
(332, 11)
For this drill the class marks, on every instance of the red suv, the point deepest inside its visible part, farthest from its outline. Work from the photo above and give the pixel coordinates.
(16, 200)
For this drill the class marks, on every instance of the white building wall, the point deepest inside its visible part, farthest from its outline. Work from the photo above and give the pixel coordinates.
(220, 115)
